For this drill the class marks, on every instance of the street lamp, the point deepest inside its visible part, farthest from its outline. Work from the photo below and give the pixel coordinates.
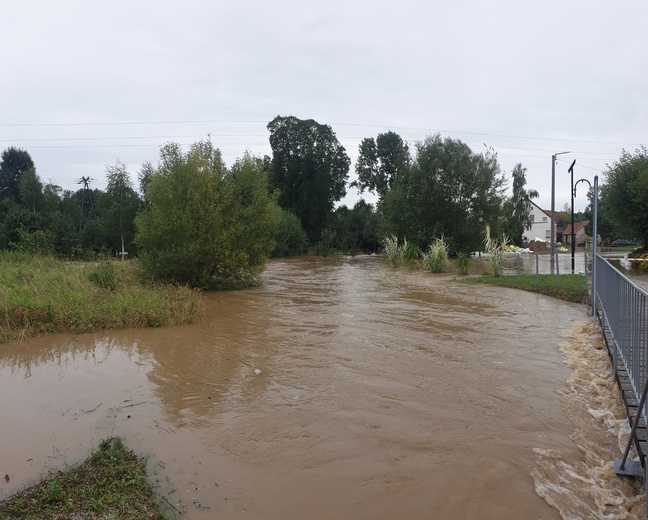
(553, 203)
(573, 194)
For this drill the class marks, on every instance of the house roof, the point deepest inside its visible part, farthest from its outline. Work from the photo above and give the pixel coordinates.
(547, 212)
(558, 215)
(577, 227)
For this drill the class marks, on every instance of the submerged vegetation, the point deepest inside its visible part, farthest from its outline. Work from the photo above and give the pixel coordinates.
(111, 484)
(40, 294)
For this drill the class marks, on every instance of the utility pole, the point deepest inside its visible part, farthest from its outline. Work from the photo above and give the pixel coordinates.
(86, 189)
(573, 235)
(552, 245)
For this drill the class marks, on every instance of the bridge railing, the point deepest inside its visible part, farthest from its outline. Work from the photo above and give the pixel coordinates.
(622, 308)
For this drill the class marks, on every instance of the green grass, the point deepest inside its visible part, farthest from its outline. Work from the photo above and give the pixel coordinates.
(571, 289)
(111, 484)
(40, 294)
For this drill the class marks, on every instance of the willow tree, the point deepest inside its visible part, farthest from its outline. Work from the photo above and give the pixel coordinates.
(202, 224)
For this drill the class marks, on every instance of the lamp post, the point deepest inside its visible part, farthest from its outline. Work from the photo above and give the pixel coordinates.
(553, 204)
(573, 194)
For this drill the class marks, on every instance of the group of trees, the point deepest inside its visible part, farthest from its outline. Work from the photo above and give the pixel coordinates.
(43, 218)
(623, 204)
(194, 220)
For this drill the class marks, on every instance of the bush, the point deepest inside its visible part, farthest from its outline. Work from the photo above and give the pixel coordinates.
(291, 239)
(203, 225)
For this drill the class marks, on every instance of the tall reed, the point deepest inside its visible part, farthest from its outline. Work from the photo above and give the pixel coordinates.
(411, 254)
(495, 248)
(436, 258)
(393, 253)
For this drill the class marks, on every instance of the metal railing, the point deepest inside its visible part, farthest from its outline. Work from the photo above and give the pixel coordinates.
(622, 307)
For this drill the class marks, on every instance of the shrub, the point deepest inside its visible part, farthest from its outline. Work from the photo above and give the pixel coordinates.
(202, 224)
(291, 239)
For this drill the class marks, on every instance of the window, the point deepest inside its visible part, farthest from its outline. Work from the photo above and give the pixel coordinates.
(544, 219)
(532, 217)
(548, 233)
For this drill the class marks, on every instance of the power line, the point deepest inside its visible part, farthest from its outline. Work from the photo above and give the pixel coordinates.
(359, 125)
(125, 138)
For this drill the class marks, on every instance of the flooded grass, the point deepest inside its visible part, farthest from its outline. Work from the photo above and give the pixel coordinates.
(571, 288)
(41, 295)
(112, 484)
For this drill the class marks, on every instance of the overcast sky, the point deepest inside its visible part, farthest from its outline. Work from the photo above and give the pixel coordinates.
(85, 83)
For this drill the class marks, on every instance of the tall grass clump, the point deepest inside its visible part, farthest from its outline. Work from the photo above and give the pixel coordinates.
(436, 258)
(463, 261)
(40, 294)
(393, 253)
(411, 254)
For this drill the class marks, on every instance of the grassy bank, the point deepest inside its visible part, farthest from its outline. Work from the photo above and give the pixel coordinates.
(112, 484)
(571, 289)
(42, 294)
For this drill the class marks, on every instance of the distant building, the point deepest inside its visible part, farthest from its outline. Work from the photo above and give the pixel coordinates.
(579, 233)
(540, 223)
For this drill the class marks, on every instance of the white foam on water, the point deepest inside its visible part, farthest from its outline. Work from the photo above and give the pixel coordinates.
(582, 484)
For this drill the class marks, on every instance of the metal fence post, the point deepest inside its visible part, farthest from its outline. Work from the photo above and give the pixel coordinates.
(537, 271)
(518, 267)
(557, 271)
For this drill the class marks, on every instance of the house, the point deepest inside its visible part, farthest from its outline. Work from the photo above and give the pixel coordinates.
(579, 233)
(540, 223)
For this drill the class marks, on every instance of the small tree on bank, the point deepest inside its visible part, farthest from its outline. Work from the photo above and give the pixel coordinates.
(204, 225)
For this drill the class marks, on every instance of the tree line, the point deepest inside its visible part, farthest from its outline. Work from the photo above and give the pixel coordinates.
(193, 219)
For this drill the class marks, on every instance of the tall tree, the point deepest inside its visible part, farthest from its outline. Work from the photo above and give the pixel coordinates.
(13, 163)
(30, 189)
(309, 168)
(516, 208)
(119, 206)
(380, 161)
(625, 195)
(449, 191)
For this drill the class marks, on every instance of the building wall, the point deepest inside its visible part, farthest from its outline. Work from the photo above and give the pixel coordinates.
(540, 224)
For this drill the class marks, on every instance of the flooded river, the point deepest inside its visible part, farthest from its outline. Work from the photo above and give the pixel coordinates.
(341, 388)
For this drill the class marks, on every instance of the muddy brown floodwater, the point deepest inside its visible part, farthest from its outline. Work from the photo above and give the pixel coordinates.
(341, 388)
